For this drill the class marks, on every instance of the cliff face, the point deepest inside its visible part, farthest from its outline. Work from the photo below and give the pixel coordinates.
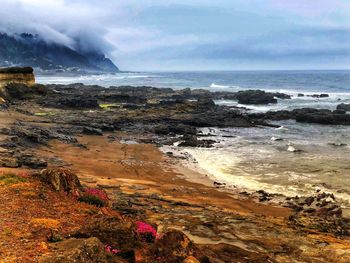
(31, 50)
(16, 75)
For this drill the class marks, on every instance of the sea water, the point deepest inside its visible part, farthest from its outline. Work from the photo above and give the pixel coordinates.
(261, 158)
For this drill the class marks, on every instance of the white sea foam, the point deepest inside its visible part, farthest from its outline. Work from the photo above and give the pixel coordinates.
(214, 86)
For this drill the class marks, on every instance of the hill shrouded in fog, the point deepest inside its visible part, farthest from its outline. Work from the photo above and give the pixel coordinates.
(30, 50)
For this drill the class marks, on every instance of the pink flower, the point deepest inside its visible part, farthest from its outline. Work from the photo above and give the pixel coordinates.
(98, 193)
(114, 251)
(147, 231)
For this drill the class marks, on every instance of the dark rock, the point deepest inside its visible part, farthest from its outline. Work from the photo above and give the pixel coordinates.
(78, 103)
(318, 95)
(301, 95)
(255, 97)
(323, 117)
(192, 141)
(205, 103)
(309, 200)
(92, 131)
(281, 95)
(17, 70)
(343, 107)
(31, 161)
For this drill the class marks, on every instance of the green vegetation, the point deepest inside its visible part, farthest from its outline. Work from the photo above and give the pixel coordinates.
(9, 179)
(92, 200)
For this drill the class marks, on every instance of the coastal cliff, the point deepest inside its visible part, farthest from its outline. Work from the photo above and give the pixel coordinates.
(17, 75)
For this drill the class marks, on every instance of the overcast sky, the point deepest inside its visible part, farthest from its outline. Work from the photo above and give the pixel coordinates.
(194, 34)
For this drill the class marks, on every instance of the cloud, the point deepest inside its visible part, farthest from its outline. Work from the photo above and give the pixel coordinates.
(154, 34)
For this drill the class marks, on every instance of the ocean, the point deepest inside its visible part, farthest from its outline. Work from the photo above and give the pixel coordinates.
(252, 159)
(335, 83)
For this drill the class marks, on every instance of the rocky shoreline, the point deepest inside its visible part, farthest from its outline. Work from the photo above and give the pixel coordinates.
(71, 115)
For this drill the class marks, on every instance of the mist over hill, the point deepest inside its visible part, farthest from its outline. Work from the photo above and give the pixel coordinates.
(31, 50)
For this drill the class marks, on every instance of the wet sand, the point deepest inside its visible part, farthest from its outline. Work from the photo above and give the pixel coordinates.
(114, 163)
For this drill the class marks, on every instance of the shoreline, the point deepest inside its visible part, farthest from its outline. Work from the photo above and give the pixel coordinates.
(116, 148)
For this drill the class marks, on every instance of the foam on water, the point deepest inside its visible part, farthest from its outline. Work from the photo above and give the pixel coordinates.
(248, 159)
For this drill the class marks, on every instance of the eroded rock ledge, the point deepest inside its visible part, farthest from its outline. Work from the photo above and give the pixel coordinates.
(22, 75)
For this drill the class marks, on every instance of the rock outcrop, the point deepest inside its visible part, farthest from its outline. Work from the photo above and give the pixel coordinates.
(17, 75)
(344, 107)
(255, 97)
(73, 250)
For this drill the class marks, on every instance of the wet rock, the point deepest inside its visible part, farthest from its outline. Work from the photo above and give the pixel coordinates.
(192, 141)
(32, 161)
(255, 97)
(344, 107)
(205, 103)
(168, 129)
(301, 95)
(322, 117)
(319, 95)
(61, 179)
(281, 96)
(73, 250)
(337, 144)
(66, 102)
(92, 131)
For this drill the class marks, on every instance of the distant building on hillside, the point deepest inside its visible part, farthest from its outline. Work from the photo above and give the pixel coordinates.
(23, 75)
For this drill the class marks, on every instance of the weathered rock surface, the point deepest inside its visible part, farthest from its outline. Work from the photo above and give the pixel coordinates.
(255, 97)
(61, 180)
(307, 115)
(73, 250)
(17, 75)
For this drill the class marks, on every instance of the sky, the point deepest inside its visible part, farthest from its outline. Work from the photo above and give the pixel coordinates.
(193, 34)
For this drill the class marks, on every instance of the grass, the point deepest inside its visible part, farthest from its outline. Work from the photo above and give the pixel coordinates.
(92, 200)
(9, 179)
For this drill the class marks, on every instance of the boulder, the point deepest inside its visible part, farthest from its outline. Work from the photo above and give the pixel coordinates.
(206, 103)
(192, 141)
(344, 107)
(113, 231)
(282, 96)
(61, 180)
(174, 246)
(73, 250)
(255, 97)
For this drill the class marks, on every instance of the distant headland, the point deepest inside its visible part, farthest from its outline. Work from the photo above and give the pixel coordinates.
(27, 49)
